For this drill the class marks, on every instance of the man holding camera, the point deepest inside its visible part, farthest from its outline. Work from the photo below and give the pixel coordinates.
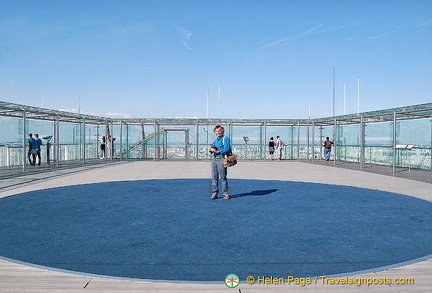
(220, 148)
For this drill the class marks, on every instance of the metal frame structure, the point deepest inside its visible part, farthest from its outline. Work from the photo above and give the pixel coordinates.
(389, 115)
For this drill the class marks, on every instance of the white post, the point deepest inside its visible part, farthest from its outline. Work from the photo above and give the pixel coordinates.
(333, 91)
(219, 98)
(344, 98)
(207, 101)
(358, 95)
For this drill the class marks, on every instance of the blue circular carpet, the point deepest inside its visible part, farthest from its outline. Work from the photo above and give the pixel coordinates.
(171, 230)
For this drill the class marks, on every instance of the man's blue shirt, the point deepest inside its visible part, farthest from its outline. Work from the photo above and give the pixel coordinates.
(223, 145)
(32, 143)
(38, 144)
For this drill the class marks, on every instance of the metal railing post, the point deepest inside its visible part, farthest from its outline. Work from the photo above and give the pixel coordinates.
(394, 142)
(362, 139)
(24, 140)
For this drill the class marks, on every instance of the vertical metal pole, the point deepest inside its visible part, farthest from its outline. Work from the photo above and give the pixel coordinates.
(84, 141)
(54, 141)
(127, 141)
(145, 145)
(154, 140)
(362, 139)
(186, 143)
(321, 142)
(334, 142)
(165, 145)
(259, 153)
(24, 141)
(121, 140)
(292, 143)
(106, 140)
(207, 141)
(307, 137)
(265, 140)
(298, 140)
(112, 141)
(394, 142)
(97, 141)
(58, 141)
(197, 140)
(8, 157)
(313, 141)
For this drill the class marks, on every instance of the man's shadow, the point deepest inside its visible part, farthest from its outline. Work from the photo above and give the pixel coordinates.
(255, 193)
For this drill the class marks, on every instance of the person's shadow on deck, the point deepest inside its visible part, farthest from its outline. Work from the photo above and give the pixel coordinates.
(255, 193)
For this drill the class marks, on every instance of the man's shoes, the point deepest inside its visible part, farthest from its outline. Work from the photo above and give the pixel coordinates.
(214, 196)
(226, 196)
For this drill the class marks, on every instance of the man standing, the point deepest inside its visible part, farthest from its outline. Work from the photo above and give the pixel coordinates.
(31, 153)
(220, 148)
(38, 147)
(279, 146)
(327, 148)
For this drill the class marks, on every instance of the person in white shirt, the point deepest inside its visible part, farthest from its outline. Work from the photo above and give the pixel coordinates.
(279, 146)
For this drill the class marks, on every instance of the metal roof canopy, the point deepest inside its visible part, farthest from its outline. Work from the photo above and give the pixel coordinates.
(403, 113)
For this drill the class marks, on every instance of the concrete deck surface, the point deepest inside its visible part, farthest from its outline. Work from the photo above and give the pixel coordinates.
(15, 277)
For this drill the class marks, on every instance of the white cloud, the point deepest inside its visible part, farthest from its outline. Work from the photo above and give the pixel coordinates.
(381, 35)
(425, 23)
(282, 42)
(184, 36)
(286, 41)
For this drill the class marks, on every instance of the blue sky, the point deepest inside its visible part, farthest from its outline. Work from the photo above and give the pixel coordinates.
(156, 58)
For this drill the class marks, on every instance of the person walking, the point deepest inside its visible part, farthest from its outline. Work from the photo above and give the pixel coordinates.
(31, 152)
(279, 146)
(38, 148)
(220, 149)
(271, 146)
(327, 148)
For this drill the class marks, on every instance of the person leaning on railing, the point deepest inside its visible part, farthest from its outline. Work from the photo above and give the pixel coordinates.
(327, 148)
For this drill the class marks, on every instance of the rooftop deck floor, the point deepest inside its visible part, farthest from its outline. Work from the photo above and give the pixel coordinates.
(18, 277)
